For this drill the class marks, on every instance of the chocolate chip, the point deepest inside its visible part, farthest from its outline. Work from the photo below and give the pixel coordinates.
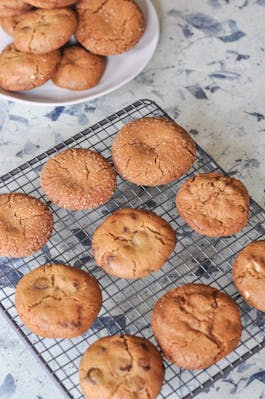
(133, 216)
(144, 346)
(94, 376)
(125, 229)
(75, 284)
(144, 364)
(126, 367)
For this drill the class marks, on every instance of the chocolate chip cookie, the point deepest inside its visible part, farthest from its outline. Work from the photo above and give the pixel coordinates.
(126, 367)
(196, 325)
(58, 301)
(213, 204)
(152, 151)
(249, 274)
(132, 243)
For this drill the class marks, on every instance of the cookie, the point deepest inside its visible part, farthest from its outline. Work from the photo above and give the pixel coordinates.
(249, 274)
(78, 179)
(213, 204)
(109, 27)
(196, 325)
(58, 301)
(152, 151)
(10, 8)
(127, 367)
(79, 69)
(43, 31)
(9, 24)
(49, 4)
(132, 243)
(26, 225)
(23, 71)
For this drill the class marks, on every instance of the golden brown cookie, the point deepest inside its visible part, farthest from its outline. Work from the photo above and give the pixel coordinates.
(249, 274)
(9, 24)
(26, 225)
(152, 151)
(109, 27)
(79, 69)
(213, 204)
(58, 301)
(126, 367)
(23, 71)
(10, 8)
(43, 31)
(78, 179)
(132, 243)
(49, 4)
(196, 325)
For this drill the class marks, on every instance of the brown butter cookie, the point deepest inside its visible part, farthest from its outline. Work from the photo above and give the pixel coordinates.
(43, 31)
(10, 8)
(213, 204)
(127, 367)
(79, 69)
(249, 274)
(152, 151)
(109, 27)
(196, 325)
(132, 243)
(23, 71)
(58, 301)
(78, 179)
(26, 225)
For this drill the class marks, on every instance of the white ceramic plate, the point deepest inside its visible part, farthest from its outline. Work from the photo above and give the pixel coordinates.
(119, 71)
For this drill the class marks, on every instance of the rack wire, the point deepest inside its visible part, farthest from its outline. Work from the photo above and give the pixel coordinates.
(127, 304)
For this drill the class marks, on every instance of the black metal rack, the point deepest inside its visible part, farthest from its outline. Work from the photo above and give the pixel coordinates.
(127, 303)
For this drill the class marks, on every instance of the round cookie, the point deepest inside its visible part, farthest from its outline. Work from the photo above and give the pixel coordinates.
(10, 8)
(58, 301)
(43, 31)
(109, 27)
(49, 4)
(78, 179)
(26, 225)
(213, 204)
(79, 69)
(249, 274)
(152, 151)
(23, 71)
(133, 243)
(196, 325)
(127, 367)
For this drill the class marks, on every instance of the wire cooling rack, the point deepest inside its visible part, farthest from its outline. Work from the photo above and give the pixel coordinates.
(127, 304)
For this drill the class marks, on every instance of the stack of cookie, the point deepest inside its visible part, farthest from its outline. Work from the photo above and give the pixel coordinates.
(43, 35)
(194, 324)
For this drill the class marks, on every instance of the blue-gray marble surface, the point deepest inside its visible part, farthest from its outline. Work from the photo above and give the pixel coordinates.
(208, 74)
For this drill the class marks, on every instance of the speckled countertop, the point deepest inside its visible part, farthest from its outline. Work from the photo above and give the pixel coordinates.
(207, 73)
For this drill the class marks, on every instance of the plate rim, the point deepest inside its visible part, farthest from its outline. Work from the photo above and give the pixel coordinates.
(155, 40)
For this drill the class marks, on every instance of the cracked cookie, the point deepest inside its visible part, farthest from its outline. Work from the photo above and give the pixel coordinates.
(78, 179)
(152, 151)
(249, 274)
(108, 27)
(49, 4)
(213, 204)
(58, 301)
(43, 31)
(79, 69)
(26, 225)
(127, 367)
(196, 325)
(10, 8)
(23, 71)
(133, 243)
